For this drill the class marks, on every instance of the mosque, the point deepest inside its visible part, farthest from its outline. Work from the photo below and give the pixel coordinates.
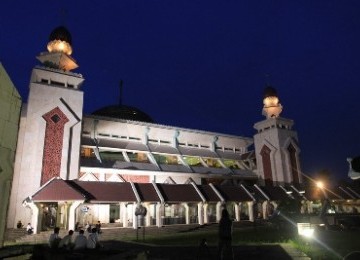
(119, 166)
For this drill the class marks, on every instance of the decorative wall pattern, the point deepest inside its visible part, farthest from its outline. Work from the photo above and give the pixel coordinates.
(136, 178)
(53, 144)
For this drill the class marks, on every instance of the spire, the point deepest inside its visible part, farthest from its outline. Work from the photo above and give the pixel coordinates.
(272, 107)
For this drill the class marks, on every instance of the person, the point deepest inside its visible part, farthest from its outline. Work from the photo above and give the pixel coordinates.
(80, 241)
(98, 227)
(225, 236)
(29, 229)
(66, 242)
(93, 240)
(55, 238)
(77, 227)
(88, 227)
(19, 224)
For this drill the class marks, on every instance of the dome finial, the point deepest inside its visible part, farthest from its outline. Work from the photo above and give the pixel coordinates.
(60, 41)
(272, 107)
(60, 49)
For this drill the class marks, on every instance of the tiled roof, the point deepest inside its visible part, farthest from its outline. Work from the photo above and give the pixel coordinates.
(108, 191)
(275, 192)
(179, 193)
(147, 192)
(233, 193)
(57, 189)
(208, 193)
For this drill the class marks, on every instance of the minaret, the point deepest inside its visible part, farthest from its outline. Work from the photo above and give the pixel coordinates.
(276, 145)
(50, 125)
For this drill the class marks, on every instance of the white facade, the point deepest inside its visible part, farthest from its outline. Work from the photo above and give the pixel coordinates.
(44, 96)
(277, 135)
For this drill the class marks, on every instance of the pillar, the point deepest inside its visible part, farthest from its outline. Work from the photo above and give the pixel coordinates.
(134, 217)
(218, 211)
(72, 209)
(200, 214)
(148, 215)
(265, 209)
(187, 214)
(237, 211)
(34, 216)
(159, 211)
(206, 213)
(251, 210)
(123, 212)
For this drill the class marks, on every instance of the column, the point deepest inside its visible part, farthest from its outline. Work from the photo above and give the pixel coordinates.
(218, 211)
(264, 209)
(251, 210)
(206, 214)
(72, 209)
(148, 214)
(34, 216)
(134, 217)
(200, 214)
(187, 213)
(237, 211)
(123, 212)
(159, 211)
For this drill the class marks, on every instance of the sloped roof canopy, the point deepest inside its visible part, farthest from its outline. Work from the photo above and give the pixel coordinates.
(233, 193)
(174, 193)
(208, 193)
(147, 192)
(57, 189)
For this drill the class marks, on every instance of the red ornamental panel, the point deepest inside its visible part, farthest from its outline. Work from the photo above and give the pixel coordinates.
(53, 144)
(293, 163)
(266, 161)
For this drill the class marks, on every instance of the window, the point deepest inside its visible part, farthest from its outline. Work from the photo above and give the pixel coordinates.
(192, 160)
(138, 157)
(166, 159)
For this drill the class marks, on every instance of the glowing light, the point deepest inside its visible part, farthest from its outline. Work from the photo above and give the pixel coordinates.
(305, 229)
(59, 46)
(320, 184)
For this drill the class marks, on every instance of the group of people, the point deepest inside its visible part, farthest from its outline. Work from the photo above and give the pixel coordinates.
(80, 242)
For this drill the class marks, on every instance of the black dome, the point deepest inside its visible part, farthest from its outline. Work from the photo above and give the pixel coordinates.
(60, 33)
(124, 112)
(270, 92)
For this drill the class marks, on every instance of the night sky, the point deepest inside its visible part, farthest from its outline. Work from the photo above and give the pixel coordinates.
(203, 64)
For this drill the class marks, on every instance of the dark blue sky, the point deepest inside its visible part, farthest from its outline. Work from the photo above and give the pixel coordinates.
(202, 64)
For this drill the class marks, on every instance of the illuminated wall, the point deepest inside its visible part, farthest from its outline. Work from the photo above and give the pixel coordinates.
(10, 105)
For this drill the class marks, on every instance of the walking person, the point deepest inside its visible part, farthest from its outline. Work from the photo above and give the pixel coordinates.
(225, 236)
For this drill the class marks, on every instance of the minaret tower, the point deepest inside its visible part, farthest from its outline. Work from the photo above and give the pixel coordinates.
(276, 145)
(50, 125)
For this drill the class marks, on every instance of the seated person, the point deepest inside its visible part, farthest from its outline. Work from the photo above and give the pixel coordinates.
(66, 242)
(54, 239)
(29, 229)
(98, 227)
(93, 239)
(80, 241)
